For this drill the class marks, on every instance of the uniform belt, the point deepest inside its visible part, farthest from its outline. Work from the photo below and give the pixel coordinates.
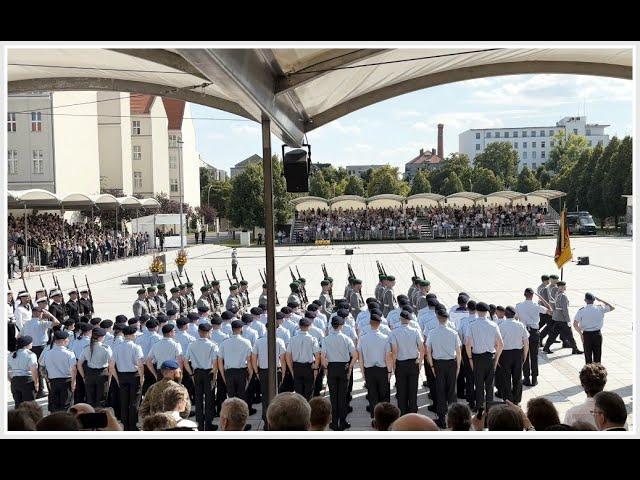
(304, 364)
(482, 354)
(591, 331)
(202, 369)
(444, 359)
(531, 328)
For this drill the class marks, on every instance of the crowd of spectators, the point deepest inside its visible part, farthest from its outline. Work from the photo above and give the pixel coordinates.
(392, 223)
(62, 244)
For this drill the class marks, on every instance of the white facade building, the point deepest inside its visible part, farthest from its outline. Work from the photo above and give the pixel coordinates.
(533, 144)
(114, 130)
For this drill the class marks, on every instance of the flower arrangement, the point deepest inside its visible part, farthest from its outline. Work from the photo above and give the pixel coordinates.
(156, 265)
(181, 258)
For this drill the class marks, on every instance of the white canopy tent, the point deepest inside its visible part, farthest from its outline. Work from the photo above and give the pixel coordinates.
(167, 222)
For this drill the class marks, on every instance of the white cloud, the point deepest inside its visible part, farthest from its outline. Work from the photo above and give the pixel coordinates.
(406, 114)
(244, 130)
(215, 136)
(347, 129)
(359, 147)
(479, 82)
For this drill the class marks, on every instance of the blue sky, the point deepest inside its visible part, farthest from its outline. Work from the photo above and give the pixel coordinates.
(392, 132)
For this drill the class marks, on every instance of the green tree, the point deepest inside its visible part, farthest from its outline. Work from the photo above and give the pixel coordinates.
(451, 185)
(484, 181)
(500, 158)
(386, 180)
(420, 183)
(354, 186)
(527, 181)
(543, 177)
(283, 209)
(319, 186)
(217, 195)
(597, 205)
(613, 187)
(457, 163)
(565, 151)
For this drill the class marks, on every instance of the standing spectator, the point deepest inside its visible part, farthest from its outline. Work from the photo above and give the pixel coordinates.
(203, 233)
(609, 412)
(260, 239)
(593, 378)
(320, 414)
(175, 400)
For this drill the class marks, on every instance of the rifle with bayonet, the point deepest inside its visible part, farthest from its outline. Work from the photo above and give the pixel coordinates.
(174, 281)
(246, 291)
(228, 278)
(423, 276)
(46, 292)
(213, 275)
(27, 290)
(304, 288)
(274, 287)
(415, 275)
(89, 288)
(57, 285)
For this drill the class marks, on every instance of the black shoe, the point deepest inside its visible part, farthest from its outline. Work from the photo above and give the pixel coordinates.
(252, 411)
(247, 427)
(441, 424)
(345, 426)
(211, 428)
(498, 394)
(431, 408)
(526, 382)
(373, 425)
(369, 408)
(546, 350)
(424, 384)
(334, 427)
(534, 382)
(349, 409)
(577, 352)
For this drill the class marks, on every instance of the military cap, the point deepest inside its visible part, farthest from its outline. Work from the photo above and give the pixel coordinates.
(106, 323)
(204, 288)
(152, 324)
(244, 283)
(182, 286)
(22, 342)
(442, 312)
(391, 278)
(482, 307)
(60, 334)
(151, 289)
(73, 292)
(293, 285)
(381, 277)
(280, 316)
(192, 316)
(330, 279)
(129, 330)
(375, 318)
(337, 321)
(216, 320)
(161, 286)
(83, 290)
(99, 332)
(432, 302)
(233, 287)
(215, 283)
(121, 319)
(554, 277)
(256, 311)
(424, 283)
(174, 290)
(305, 322)
(302, 280)
(343, 312)
(169, 365)
(236, 324)
(286, 310)
(310, 315)
(167, 328)
(357, 281)
(205, 327)
(182, 321)
(471, 305)
(42, 290)
(189, 284)
(590, 297)
(54, 293)
(247, 318)
(85, 327)
(561, 283)
(203, 309)
(371, 299)
(405, 314)
(528, 291)
(544, 277)
(171, 312)
(42, 300)
(500, 308)
(324, 283)
(510, 311)
(264, 285)
(23, 294)
(227, 315)
(376, 311)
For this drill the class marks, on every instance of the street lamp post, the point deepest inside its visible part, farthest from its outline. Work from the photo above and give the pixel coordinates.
(180, 142)
(209, 193)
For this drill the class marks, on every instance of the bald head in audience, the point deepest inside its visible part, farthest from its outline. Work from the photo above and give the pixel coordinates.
(414, 422)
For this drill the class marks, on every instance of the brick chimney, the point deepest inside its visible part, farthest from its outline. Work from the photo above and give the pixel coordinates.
(421, 151)
(440, 141)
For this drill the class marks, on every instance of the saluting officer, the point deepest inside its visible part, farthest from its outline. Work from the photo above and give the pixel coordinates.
(516, 346)
(140, 306)
(151, 303)
(127, 368)
(408, 351)
(201, 363)
(161, 298)
(74, 309)
(443, 354)
(531, 316)
(22, 313)
(356, 301)
(96, 375)
(484, 346)
(23, 372)
(234, 362)
(588, 322)
(376, 362)
(389, 298)
(303, 359)
(86, 303)
(325, 299)
(37, 328)
(379, 290)
(260, 362)
(338, 357)
(60, 365)
(561, 321)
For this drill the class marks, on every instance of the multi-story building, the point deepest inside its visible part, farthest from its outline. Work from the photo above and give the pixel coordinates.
(52, 141)
(533, 144)
(426, 160)
(239, 167)
(217, 173)
(360, 170)
(114, 131)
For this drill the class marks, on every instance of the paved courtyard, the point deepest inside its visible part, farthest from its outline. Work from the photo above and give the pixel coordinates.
(493, 271)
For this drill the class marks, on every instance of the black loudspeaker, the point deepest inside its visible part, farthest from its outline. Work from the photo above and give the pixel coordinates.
(524, 248)
(583, 260)
(464, 248)
(296, 170)
(348, 251)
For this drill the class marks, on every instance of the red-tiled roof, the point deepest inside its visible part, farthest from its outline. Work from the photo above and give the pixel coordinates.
(141, 104)
(425, 157)
(175, 112)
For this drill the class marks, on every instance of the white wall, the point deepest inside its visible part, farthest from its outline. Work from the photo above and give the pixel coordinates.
(421, 202)
(160, 147)
(315, 204)
(114, 130)
(77, 165)
(346, 204)
(384, 203)
(145, 165)
(190, 161)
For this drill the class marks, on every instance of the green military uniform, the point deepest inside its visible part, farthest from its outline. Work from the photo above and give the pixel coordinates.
(152, 402)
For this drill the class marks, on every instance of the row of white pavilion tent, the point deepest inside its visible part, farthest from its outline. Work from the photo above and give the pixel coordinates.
(38, 199)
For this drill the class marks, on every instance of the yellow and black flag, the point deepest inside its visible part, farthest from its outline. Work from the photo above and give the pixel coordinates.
(563, 246)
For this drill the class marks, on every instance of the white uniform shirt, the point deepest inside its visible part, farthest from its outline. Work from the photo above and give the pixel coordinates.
(591, 317)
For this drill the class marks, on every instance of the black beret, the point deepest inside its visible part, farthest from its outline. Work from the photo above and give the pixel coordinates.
(305, 322)
(432, 302)
(561, 283)
(141, 291)
(182, 321)
(286, 310)
(119, 327)
(343, 312)
(144, 317)
(161, 317)
(215, 283)
(247, 318)
(528, 291)
(106, 323)
(256, 311)
(152, 324)
(589, 297)
(431, 295)
(442, 312)
(499, 308)
(171, 312)
(189, 284)
(407, 308)
(312, 307)
(192, 316)
(236, 324)
(99, 332)
(244, 282)
(129, 330)
(372, 306)
(161, 286)
(375, 317)
(510, 311)
(279, 316)
(167, 328)
(227, 315)
(405, 314)
(121, 319)
(131, 321)
(462, 300)
(203, 309)
(216, 320)
(204, 327)
(482, 307)
(376, 311)
(310, 315)
(544, 277)
(204, 288)
(174, 290)
(85, 327)
(337, 321)
(182, 286)
(324, 283)
(22, 342)
(403, 301)
(471, 305)
(424, 283)
(554, 277)
(60, 334)
(391, 278)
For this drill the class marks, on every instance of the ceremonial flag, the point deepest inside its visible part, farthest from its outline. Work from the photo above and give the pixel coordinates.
(563, 246)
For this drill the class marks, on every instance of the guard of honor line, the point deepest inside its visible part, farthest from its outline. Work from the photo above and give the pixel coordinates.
(217, 348)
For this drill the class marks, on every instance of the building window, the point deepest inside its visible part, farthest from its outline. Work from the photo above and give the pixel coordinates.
(599, 142)
(506, 134)
(173, 164)
(524, 155)
(552, 143)
(524, 144)
(542, 133)
(13, 162)
(543, 155)
(534, 165)
(543, 144)
(477, 135)
(137, 179)
(174, 185)
(497, 134)
(533, 154)
(135, 127)
(11, 122)
(533, 133)
(488, 135)
(173, 140)
(533, 144)
(551, 132)
(524, 133)
(588, 131)
(575, 131)
(515, 144)
(515, 134)
(36, 121)
(590, 143)
(136, 152)
(38, 162)
(477, 146)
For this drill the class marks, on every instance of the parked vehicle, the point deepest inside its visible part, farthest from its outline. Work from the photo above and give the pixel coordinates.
(581, 223)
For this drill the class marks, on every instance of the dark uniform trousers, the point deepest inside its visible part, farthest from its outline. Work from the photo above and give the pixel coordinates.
(202, 379)
(564, 330)
(510, 376)
(483, 375)
(38, 351)
(22, 389)
(303, 379)
(129, 393)
(149, 380)
(317, 385)
(530, 367)
(12, 336)
(445, 379)
(113, 400)
(407, 373)
(592, 346)
(80, 393)
(338, 391)
(60, 395)
(287, 383)
(236, 382)
(96, 381)
(466, 372)
(188, 383)
(545, 325)
(378, 387)
(263, 375)
(221, 394)
(254, 390)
